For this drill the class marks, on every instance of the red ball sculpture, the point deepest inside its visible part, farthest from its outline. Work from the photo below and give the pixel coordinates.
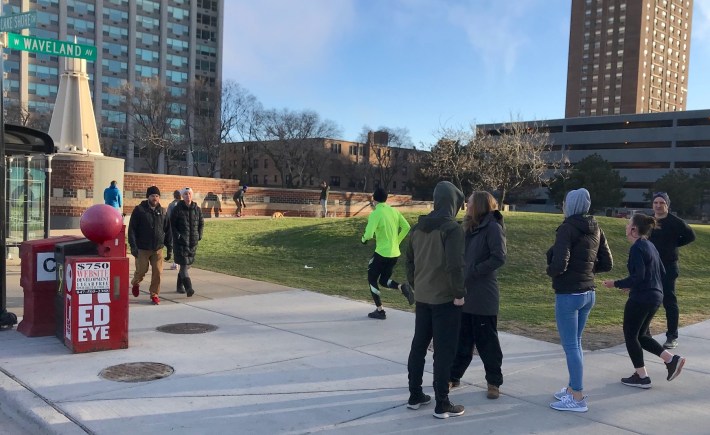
(100, 223)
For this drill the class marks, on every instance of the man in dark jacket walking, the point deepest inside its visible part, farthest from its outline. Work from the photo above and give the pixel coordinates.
(670, 233)
(148, 232)
(435, 266)
(187, 223)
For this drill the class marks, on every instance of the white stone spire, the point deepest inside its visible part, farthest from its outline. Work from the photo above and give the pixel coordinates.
(73, 125)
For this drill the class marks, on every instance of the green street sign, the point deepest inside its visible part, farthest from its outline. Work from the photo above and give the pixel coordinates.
(51, 46)
(11, 23)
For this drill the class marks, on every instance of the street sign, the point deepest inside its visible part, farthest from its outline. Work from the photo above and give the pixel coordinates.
(12, 23)
(50, 46)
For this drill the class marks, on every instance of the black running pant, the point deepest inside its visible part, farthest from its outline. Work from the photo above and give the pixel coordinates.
(440, 322)
(637, 318)
(379, 270)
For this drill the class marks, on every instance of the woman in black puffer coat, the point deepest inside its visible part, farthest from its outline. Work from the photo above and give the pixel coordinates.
(187, 223)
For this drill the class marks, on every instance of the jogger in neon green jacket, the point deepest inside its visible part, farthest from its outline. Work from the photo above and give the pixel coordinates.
(389, 228)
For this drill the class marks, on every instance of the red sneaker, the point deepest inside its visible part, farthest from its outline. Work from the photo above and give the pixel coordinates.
(155, 300)
(135, 290)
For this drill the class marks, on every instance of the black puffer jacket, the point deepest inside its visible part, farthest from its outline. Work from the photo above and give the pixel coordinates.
(485, 253)
(580, 251)
(149, 228)
(187, 224)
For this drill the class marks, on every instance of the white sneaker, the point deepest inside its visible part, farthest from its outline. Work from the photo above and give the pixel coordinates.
(569, 404)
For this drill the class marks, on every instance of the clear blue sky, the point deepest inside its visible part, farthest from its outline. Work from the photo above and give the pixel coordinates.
(416, 64)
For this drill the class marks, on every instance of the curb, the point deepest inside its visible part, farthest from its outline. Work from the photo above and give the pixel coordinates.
(32, 412)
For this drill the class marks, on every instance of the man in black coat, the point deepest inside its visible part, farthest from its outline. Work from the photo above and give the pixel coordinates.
(148, 232)
(671, 233)
(187, 223)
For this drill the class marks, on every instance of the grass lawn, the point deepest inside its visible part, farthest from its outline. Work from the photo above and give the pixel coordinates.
(278, 251)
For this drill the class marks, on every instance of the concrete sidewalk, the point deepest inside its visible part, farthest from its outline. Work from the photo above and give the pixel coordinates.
(291, 361)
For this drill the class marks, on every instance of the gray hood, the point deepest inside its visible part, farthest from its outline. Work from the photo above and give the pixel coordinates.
(577, 202)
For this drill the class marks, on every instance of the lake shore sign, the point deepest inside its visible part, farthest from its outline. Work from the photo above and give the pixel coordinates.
(50, 46)
(13, 23)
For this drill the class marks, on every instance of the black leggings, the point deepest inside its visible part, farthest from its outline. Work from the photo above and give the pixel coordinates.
(379, 270)
(637, 318)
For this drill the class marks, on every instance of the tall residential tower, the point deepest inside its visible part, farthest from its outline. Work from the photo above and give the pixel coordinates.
(178, 42)
(628, 56)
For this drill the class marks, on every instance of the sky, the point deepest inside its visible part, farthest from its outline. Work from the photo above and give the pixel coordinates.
(422, 65)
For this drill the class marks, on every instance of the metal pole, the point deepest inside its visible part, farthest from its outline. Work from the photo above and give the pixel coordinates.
(47, 193)
(3, 199)
(26, 198)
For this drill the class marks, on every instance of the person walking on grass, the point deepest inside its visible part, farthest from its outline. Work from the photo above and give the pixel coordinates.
(187, 224)
(148, 232)
(485, 252)
(389, 228)
(239, 200)
(435, 269)
(580, 251)
(171, 206)
(645, 288)
(670, 234)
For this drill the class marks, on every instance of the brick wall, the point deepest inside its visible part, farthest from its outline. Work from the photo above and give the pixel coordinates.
(72, 193)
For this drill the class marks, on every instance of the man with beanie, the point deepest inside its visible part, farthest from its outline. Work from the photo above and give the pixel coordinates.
(389, 228)
(671, 232)
(148, 232)
(435, 269)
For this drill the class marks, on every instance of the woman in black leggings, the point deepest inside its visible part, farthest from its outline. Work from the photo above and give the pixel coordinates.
(645, 296)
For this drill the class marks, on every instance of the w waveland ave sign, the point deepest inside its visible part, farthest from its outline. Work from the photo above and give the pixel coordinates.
(50, 46)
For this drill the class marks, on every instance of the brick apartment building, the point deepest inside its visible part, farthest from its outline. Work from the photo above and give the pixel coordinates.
(344, 165)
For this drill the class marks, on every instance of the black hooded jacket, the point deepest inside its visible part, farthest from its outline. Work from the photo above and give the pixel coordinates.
(435, 250)
(485, 253)
(580, 251)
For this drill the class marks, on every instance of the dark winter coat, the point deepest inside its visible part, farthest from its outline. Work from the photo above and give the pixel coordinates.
(485, 253)
(435, 251)
(645, 280)
(580, 251)
(149, 228)
(671, 233)
(187, 224)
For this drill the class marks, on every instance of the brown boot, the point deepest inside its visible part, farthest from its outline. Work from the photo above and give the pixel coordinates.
(493, 392)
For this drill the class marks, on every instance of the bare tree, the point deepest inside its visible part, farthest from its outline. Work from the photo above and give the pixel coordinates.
(513, 156)
(453, 158)
(217, 113)
(156, 116)
(17, 114)
(290, 150)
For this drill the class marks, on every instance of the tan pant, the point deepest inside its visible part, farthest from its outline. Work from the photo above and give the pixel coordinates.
(155, 260)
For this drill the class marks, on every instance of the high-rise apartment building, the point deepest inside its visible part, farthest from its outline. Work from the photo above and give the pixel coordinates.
(178, 42)
(628, 56)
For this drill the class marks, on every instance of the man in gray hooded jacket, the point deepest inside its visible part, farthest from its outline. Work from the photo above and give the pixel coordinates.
(435, 264)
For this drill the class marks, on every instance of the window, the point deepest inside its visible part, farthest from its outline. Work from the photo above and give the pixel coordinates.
(266, 163)
(335, 181)
(276, 178)
(335, 148)
(255, 179)
(266, 180)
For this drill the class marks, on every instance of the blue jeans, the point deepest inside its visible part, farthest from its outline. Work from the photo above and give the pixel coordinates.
(571, 312)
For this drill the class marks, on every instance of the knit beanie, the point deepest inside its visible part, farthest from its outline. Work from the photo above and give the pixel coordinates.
(663, 195)
(379, 195)
(152, 190)
(577, 202)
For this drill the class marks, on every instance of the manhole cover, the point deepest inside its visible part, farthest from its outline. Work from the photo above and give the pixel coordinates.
(187, 328)
(137, 372)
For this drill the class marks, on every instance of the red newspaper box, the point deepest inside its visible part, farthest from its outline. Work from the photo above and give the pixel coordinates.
(38, 281)
(96, 303)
